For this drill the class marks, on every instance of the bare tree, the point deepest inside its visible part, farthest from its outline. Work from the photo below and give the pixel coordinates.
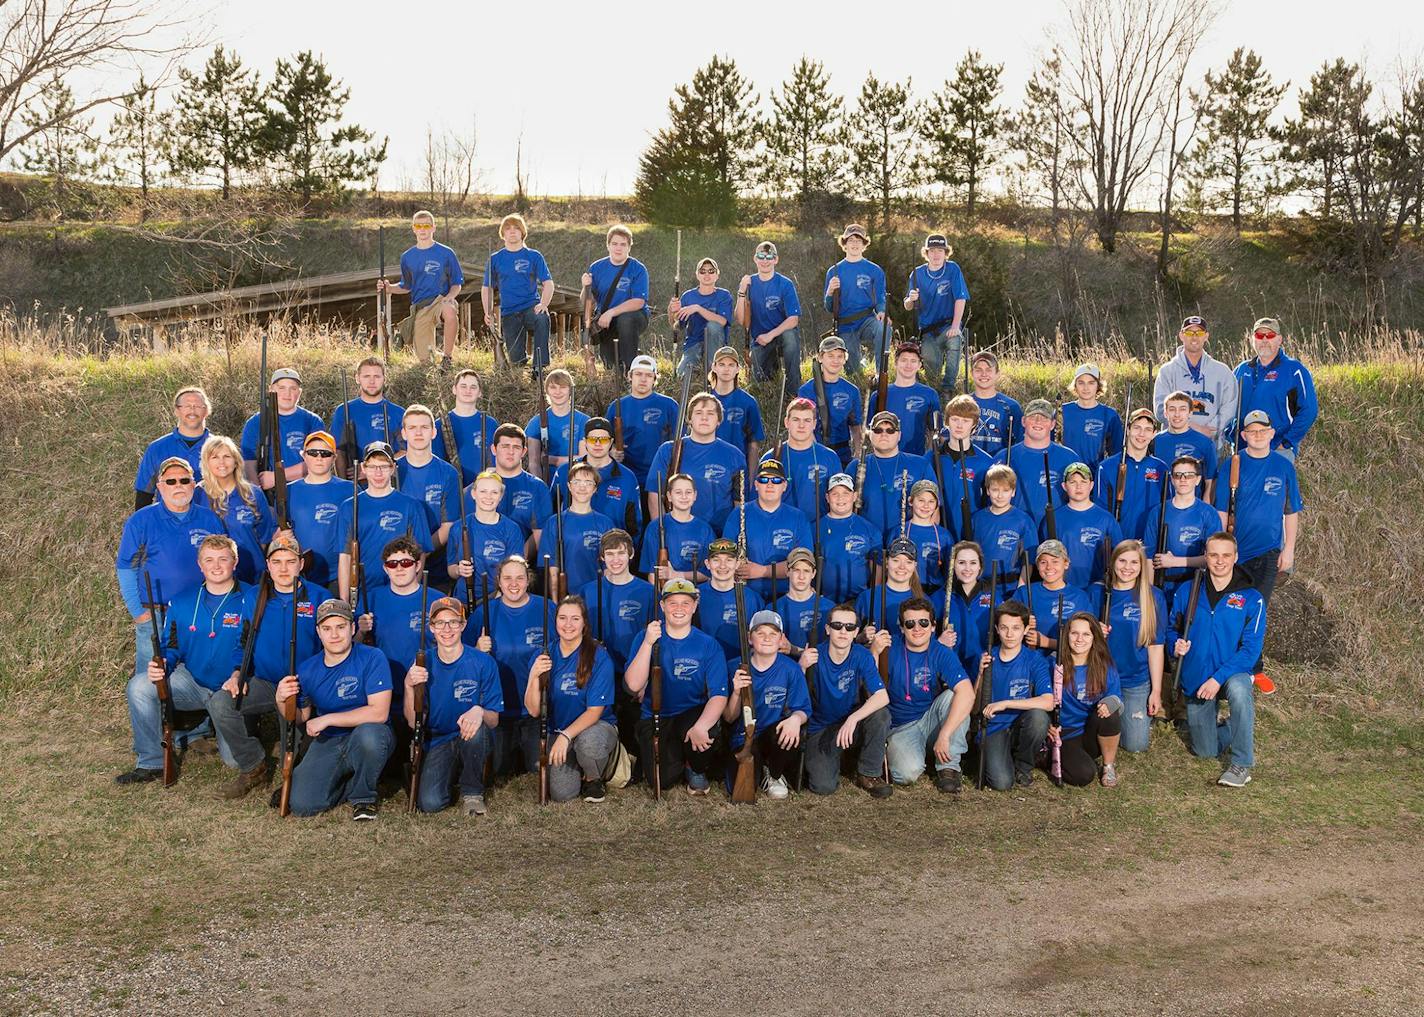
(450, 170)
(1122, 61)
(1182, 121)
(80, 40)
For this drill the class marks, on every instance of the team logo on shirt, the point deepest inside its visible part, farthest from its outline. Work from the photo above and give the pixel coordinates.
(1271, 486)
(1092, 428)
(920, 680)
(615, 493)
(305, 609)
(1007, 540)
(986, 600)
(493, 550)
(346, 686)
(1132, 611)
(246, 516)
(1190, 534)
(1090, 536)
(522, 265)
(522, 499)
(415, 621)
(840, 401)
(855, 543)
(1152, 473)
(466, 690)
(684, 670)
(1270, 375)
(1018, 688)
(198, 536)
(294, 441)
(714, 471)
(533, 634)
(590, 540)
(627, 610)
(569, 686)
(1236, 600)
(942, 288)
(652, 415)
(430, 266)
(781, 539)
(843, 680)
(862, 282)
(914, 404)
(325, 513)
(772, 302)
(687, 550)
(774, 696)
(729, 613)
(232, 619)
(624, 283)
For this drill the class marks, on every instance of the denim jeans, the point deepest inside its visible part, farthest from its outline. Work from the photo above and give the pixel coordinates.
(713, 337)
(516, 737)
(462, 756)
(1015, 749)
(588, 755)
(517, 327)
(1211, 737)
(247, 751)
(1136, 724)
(341, 769)
(143, 653)
(940, 356)
(146, 719)
(788, 347)
(823, 757)
(909, 743)
(870, 330)
(630, 326)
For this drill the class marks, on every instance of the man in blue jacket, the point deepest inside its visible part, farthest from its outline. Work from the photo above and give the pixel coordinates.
(1280, 386)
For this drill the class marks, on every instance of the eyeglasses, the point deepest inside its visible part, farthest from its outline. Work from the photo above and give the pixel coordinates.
(771, 480)
(446, 623)
(1185, 476)
(318, 453)
(842, 626)
(916, 623)
(765, 257)
(423, 226)
(181, 481)
(400, 563)
(706, 271)
(884, 430)
(596, 441)
(1265, 335)
(1195, 333)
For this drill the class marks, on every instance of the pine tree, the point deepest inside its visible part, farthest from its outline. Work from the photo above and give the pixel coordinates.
(218, 119)
(962, 126)
(64, 151)
(1040, 132)
(1315, 141)
(304, 138)
(135, 139)
(805, 137)
(884, 141)
(1233, 111)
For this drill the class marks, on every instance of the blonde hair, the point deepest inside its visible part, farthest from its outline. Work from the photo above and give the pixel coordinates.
(1001, 474)
(1142, 588)
(424, 215)
(514, 219)
(619, 231)
(217, 497)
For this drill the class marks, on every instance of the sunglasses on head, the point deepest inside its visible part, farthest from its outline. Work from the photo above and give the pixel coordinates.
(400, 563)
(842, 626)
(917, 623)
(180, 481)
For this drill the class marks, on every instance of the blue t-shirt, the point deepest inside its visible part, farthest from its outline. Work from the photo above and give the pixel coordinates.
(694, 671)
(624, 611)
(777, 692)
(1027, 676)
(271, 656)
(770, 537)
(617, 496)
(916, 678)
(867, 605)
(1003, 538)
(1187, 530)
(582, 533)
(771, 302)
(169, 545)
(687, 544)
(516, 638)
(932, 547)
(999, 418)
(1076, 703)
(377, 421)
(292, 428)
(171, 444)
(430, 273)
(436, 486)
(862, 290)
(1083, 534)
(1142, 493)
(1093, 434)
(719, 302)
(453, 689)
(713, 467)
(1168, 447)
(1027, 465)
(1043, 604)
(556, 442)
(251, 526)
(717, 616)
(807, 471)
(846, 549)
(1125, 617)
(316, 521)
(566, 700)
(885, 477)
(647, 423)
(938, 293)
(490, 543)
(912, 405)
(346, 685)
(843, 400)
(632, 284)
(841, 688)
(1268, 491)
(473, 436)
(203, 630)
(526, 501)
(960, 478)
(797, 617)
(383, 519)
(741, 420)
(399, 627)
(519, 274)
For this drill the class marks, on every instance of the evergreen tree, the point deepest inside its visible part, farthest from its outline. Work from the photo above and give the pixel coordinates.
(805, 137)
(962, 126)
(677, 186)
(1233, 111)
(313, 152)
(884, 141)
(62, 148)
(1315, 141)
(218, 120)
(135, 137)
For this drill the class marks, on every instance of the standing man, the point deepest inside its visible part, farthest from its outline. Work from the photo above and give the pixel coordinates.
(1280, 386)
(1000, 416)
(431, 481)
(773, 529)
(808, 463)
(618, 496)
(294, 423)
(373, 417)
(1207, 381)
(913, 403)
(770, 310)
(1142, 488)
(315, 506)
(474, 429)
(861, 285)
(521, 277)
(842, 400)
(526, 499)
(191, 407)
(703, 311)
(431, 274)
(385, 514)
(936, 289)
(741, 425)
(887, 472)
(648, 417)
(1027, 459)
(618, 285)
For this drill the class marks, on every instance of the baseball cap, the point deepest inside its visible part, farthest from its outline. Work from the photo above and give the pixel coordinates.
(322, 438)
(448, 604)
(1256, 417)
(936, 240)
(284, 544)
(1089, 369)
(921, 486)
(855, 229)
(1267, 324)
(985, 356)
(1082, 469)
(905, 546)
(722, 545)
(333, 608)
(285, 374)
(643, 362)
(174, 461)
(841, 480)
(766, 247)
(598, 424)
(1054, 548)
(1041, 407)
(831, 342)
(1194, 321)
(908, 347)
(378, 448)
(800, 554)
(675, 586)
(885, 417)
(1142, 413)
(770, 467)
(765, 618)
(722, 351)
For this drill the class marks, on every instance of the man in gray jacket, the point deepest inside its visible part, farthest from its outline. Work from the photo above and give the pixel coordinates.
(1210, 383)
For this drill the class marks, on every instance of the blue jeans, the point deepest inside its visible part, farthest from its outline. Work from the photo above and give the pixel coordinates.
(465, 757)
(341, 769)
(1210, 737)
(940, 355)
(910, 742)
(1014, 749)
(788, 346)
(519, 325)
(869, 330)
(713, 337)
(1136, 724)
(146, 719)
(823, 756)
(143, 653)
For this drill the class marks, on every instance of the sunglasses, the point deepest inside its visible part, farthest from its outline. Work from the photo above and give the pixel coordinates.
(596, 441)
(318, 453)
(1195, 333)
(400, 563)
(423, 226)
(884, 430)
(771, 480)
(179, 481)
(706, 271)
(1265, 335)
(842, 626)
(917, 623)
(765, 257)
(1185, 476)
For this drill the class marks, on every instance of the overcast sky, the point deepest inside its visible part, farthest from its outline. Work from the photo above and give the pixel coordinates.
(587, 84)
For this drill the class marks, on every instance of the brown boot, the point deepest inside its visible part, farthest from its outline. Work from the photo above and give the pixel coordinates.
(874, 786)
(245, 782)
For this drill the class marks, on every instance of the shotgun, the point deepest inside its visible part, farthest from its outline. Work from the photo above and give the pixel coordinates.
(244, 673)
(1235, 478)
(1104, 610)
(882, 383)
(421, 703)
(356, 589)
(984, 687)
(349, 452)
(662, 533)
(544, 423)
(383, 306)
(1159, 577)
(1122, 465)
(544, 702)
(1056, 719)
(1170, 687)
(561, 583)
(823, 404)
(744, 785)
(454, 447)
(292, 734)
(265, 421)
(1050, 520)
(675, 457)
(156, 623)
(655, 690)
(865, 450)
(279, 470)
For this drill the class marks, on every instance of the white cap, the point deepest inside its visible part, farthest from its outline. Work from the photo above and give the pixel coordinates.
(841, 480)
(643, 363)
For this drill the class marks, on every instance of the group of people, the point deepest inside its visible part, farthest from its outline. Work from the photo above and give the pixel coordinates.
(658, 592)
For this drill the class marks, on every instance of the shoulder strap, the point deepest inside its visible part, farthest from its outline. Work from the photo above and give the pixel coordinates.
(608, 293)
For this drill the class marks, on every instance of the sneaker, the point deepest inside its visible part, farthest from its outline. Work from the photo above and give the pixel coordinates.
(1234, 776)
(776, 788)
(474, 805)
(1109, 775)
(948, 781)
(697, 783)
(1023, 778)
(245, 782)
(874, 786)
(1263, 683)
(593, 791)
(138, 775)
(363, 810)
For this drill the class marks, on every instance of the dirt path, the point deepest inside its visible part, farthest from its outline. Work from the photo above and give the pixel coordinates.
(1308, 932)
